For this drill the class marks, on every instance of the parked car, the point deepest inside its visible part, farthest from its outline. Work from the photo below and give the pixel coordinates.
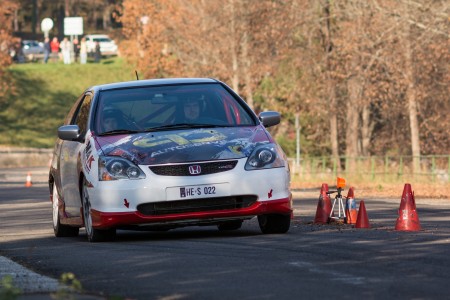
(107, 46)
(32, 47)
(165, 153)
(28, 50)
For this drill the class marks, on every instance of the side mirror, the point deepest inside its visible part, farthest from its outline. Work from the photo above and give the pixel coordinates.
(69, 133)
(269, 118)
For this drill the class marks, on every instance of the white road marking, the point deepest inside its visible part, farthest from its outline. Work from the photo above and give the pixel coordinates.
(337, 276)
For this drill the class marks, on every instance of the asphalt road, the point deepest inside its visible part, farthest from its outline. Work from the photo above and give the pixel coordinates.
(309, 262)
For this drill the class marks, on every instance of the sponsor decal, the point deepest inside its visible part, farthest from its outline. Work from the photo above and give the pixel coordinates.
(88, 157)
(269, 194)
(237, 149)
(182, 138)
(175, 148)
(126, 203)
(226, 167)
(184, 145)
(89, 162)
(89, 184)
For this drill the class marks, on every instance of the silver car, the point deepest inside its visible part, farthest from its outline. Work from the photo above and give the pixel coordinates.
(166, 153)
(32, 50)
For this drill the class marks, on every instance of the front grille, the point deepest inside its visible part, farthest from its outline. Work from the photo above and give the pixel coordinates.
(196, 205)
(183, 169)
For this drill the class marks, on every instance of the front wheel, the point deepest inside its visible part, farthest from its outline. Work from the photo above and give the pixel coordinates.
(274, 223)
(93, 235)
(59, 229)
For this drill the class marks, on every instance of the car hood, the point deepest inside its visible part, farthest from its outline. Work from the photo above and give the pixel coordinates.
(184, 145)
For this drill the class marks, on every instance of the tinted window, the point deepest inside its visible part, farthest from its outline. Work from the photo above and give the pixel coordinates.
(146, 107)
(82, 115)
(102, 40)
(70, 115)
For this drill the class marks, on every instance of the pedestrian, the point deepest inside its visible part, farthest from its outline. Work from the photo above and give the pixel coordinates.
(65, 50)
(20, 54)
(83, 51)
(76, 49)
(47, 49)
(54, 46)
(97, 54)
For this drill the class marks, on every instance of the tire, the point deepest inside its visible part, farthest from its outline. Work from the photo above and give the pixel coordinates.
(59, 229)
(274, 223)
(93, 235)
(230, 225)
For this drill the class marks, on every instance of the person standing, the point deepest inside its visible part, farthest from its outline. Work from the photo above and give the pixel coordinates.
(47, 49)
(97, 54)
(65, 50)
(54, 46)
(83, 51)
(76, 50)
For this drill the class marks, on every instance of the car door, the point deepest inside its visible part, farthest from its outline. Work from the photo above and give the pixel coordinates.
(70, 159)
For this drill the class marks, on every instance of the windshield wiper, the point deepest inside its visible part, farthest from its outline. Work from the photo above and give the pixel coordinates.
(118, 131)
(181, 126)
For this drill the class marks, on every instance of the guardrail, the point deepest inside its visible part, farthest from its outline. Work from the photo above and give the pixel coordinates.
(25, 157)
(434, 168)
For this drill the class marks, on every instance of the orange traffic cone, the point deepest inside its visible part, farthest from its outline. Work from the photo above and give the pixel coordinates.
(350, 207)
(363, 219)
(324, 206)
(28, 183)
(407, 220)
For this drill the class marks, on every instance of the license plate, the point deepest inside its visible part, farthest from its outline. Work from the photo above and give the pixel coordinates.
(198, 191)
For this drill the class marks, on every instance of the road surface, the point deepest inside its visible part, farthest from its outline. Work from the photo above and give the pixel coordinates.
(309, 262)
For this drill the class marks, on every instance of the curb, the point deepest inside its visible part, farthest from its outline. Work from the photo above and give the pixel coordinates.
(34, 286)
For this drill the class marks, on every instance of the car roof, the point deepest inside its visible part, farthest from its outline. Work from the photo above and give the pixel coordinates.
(97, 35)
(151, 82)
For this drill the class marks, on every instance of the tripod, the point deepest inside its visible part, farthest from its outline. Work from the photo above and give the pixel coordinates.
(339, 199)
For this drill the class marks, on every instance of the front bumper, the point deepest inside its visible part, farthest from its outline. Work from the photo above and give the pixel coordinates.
(119, 203)
(104, 220)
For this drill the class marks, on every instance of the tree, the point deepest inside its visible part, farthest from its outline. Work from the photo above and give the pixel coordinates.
(147, 42)
(96, 14)
(339, 65)
(7, 42)
(419, 24)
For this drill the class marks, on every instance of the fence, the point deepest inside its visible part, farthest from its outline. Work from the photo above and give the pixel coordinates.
(434, 168)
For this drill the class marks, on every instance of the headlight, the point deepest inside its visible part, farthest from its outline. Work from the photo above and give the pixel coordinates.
(113, 168)
(265, 157)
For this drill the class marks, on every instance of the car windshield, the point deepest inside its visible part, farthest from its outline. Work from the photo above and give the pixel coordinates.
(31, 43)
(156, 108)
(102, 40)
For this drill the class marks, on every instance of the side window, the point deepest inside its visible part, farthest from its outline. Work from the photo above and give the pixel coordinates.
(72, 112)
(82, 115)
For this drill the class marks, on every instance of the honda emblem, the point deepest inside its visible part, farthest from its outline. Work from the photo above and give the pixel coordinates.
(195, 170)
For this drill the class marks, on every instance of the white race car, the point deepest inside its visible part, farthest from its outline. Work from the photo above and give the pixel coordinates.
(166, 153)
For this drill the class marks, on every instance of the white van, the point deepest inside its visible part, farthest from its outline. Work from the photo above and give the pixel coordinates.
(107, 46)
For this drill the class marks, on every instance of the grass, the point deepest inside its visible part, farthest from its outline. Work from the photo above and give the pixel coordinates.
(44, 94)
(8, 291)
